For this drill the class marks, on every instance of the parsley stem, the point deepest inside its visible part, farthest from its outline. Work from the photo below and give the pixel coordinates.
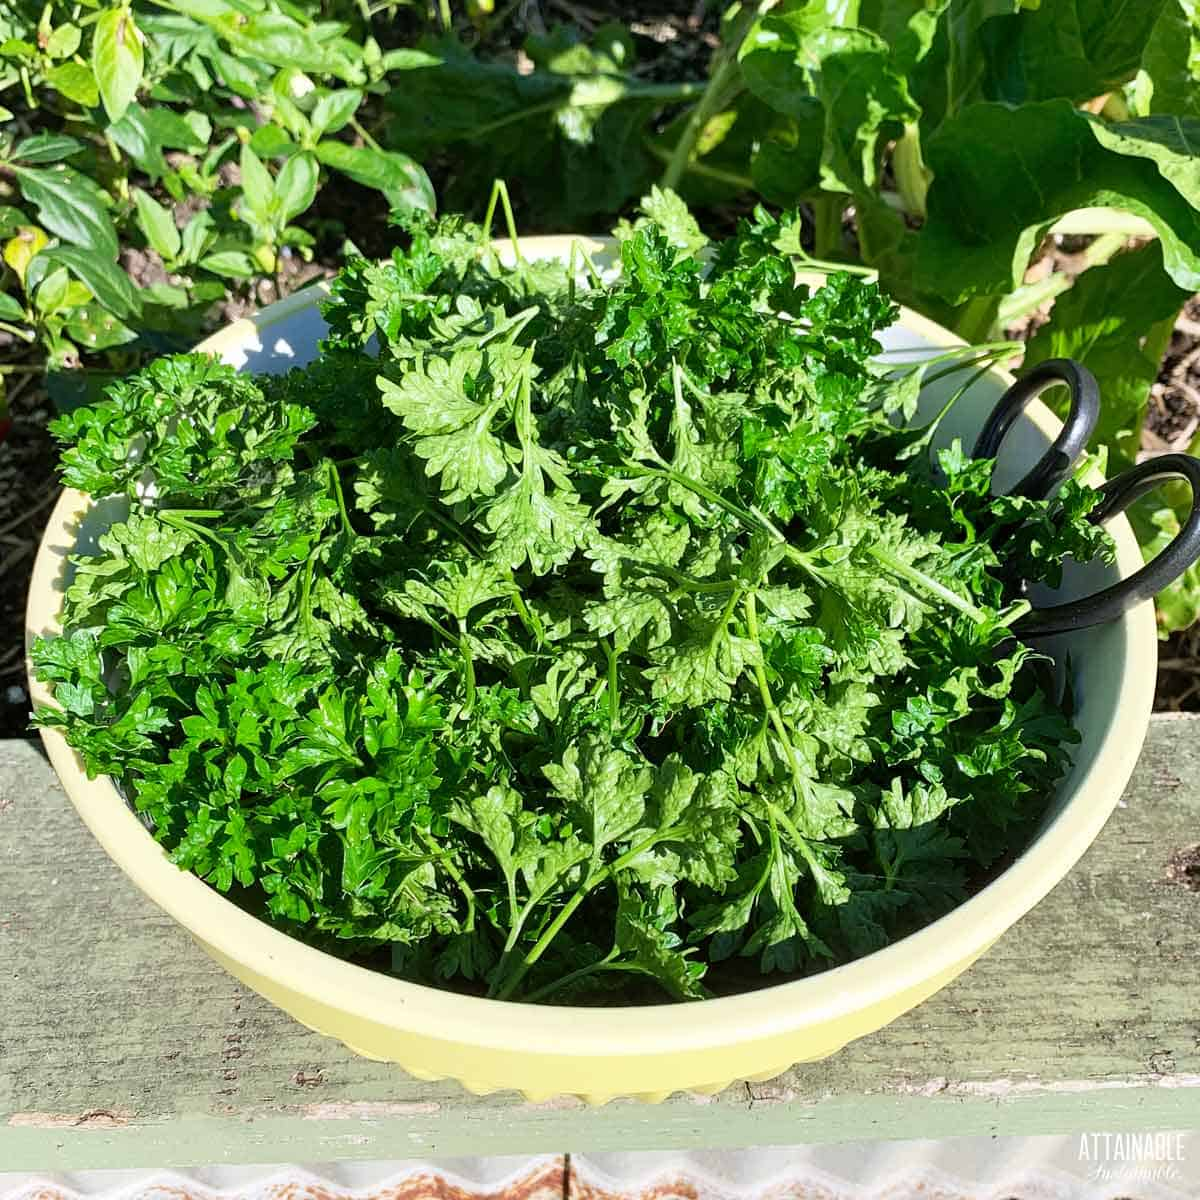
(614, 702)
(174, 518)
(927, 431)
(1009, 348)
(764, 689)
(986, 360)
(468, 667)
(453, 529)
(688, 584)
(500, 192)
(926, 582)
(336, 484)
(734, 510)
(589, 885)
(550, 933)
(827, 265)
(446, 861)
(594, 275)
(528, 618)
(755, 519)
(604, 964)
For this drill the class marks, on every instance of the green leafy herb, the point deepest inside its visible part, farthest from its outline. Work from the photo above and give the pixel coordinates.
(590, 641)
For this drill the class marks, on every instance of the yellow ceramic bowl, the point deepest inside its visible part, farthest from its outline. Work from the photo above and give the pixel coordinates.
(652, 1051)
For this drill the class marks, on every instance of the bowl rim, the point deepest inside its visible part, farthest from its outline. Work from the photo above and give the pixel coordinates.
(582, 1033)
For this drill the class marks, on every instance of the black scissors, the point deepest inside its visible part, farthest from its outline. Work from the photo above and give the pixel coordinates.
(1059, 461)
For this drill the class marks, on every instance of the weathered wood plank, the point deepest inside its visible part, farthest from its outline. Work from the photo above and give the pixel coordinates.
(122, 1044)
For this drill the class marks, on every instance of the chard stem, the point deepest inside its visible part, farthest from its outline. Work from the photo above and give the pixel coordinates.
(723, 84)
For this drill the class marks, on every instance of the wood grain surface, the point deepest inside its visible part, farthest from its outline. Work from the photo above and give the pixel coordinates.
(123, 1045)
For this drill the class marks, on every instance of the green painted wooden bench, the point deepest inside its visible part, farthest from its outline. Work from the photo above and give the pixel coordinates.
(122, 1044)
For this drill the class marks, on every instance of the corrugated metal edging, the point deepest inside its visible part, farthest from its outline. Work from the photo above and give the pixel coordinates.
(524, 1178)
(980, 1168)
(1045, 1168)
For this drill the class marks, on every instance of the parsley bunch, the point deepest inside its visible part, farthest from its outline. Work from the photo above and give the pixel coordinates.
(586, 640)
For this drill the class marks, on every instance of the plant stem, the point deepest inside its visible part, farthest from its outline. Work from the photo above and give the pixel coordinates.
(912, 176)
(1104, 220)
(363, 133)
(722, 86)
(1032, 296)
(500, 193)
(977, 318)
(619, 93)
(448, 863)
(533, 626)
(734, 179)
(926, 582)
(585, 889)
(827, 216)
(1084, 222)
(605, 964)
(468, 667)
(756, 520)
(768, 701)
(614, 699)
(336, 482)
(549, 934)
(707, 493)
(870, 274)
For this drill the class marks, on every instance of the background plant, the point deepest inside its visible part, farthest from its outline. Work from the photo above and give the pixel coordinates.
(209, 147)
(937, 141)
(196, 133)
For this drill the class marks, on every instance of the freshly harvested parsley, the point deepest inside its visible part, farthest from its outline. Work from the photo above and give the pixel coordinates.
(586, 636)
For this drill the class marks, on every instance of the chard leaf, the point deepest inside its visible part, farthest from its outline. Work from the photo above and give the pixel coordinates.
(1064, 160)
(1116, 321)
(1076, 49)
(1171, 60)
(799, 55)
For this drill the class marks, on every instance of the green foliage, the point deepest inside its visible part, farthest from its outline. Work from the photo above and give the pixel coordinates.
(591, 633)
(956, 130)
(204, 134)
(200, 133)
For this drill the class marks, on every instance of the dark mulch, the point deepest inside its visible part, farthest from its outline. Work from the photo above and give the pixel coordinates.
(1174, 415)
(28, 489)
